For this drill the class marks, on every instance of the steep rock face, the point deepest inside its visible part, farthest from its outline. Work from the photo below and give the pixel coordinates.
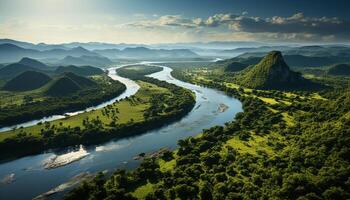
(271, 72)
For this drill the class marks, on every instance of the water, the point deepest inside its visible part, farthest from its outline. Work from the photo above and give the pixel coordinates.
(131, 89)
(31, 179)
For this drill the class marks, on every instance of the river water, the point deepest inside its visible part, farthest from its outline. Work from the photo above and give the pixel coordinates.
(31, 179)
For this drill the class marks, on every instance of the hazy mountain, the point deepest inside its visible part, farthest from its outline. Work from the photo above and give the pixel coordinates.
(143, 52)
(12, 70)
(33, 63)
(80, 70)
(28, 80)
(11, 53)
(230, 66)
(85, 60)
(272, 72)
(339, 70)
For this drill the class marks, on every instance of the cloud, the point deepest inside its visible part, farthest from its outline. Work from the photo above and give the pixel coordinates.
(295, 27)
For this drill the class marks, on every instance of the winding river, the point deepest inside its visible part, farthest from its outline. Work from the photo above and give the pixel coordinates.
(26, 178)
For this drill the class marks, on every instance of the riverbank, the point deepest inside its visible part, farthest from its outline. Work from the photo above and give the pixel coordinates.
(119, 153)
(128, 117)
(40, 105)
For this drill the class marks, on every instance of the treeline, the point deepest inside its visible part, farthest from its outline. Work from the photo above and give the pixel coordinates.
(313, 162)
(138, 72)
(30, 110)
(95, 131)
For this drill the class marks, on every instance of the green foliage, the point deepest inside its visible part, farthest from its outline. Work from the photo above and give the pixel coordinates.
(308, 159)
(28, 80)
(137, 72)
(81, 70)
(339, 70)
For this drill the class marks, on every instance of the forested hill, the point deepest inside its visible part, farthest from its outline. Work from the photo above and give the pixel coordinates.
(272, 73)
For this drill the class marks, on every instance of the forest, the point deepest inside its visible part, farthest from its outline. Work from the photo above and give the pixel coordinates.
(285, 145)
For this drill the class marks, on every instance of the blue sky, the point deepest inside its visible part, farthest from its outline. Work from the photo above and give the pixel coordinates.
(165, 21)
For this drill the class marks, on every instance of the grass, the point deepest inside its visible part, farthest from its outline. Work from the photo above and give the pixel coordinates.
(288, 119)
(255, 144)
(132, 109)
(142, 191)
(166, 165)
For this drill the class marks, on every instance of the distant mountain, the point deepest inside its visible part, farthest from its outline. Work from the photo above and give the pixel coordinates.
(11, 53)
(33, 63)
(143, 52)
(86, 60)
(339, 70)
(305, 56)
(12, 70)
(230, 66)
(67, 84)
(272, 72)
(28, 80)
(81, 70)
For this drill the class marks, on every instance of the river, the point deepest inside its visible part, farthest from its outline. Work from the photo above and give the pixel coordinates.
(30, 178)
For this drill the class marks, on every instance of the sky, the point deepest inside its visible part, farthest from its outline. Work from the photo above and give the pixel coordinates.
(175, 21)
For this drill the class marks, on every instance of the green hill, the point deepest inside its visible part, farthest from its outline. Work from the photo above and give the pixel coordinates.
(67, 84)
(12, 70)
(81, 70)
(63, 86)
(234, 66)
(80, 80)
(339, 70)
(28, 80)
(272, 73)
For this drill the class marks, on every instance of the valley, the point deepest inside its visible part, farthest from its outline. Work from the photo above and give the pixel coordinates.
(174, 100)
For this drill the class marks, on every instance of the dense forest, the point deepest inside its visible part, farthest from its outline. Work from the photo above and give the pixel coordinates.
(285, 145)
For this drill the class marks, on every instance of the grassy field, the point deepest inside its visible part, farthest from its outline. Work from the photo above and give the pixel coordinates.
(130, 109)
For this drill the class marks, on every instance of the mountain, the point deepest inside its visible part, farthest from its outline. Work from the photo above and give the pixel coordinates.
(12, 70)
(28, 80)
(143, 52)
(62, 86)
(11, 53)
(86, 60)
(272, 72)
(67, 84)
(81, 70)
(80, 80)
(339, 70)
(230, 66)
(33, 63)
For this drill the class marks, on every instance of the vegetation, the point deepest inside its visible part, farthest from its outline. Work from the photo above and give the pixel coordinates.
(272, 73)
(137, 71)
(66, 93)
(285, 145)
(29, 80)
(339, 70)
(81, 70)
(155, 104)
